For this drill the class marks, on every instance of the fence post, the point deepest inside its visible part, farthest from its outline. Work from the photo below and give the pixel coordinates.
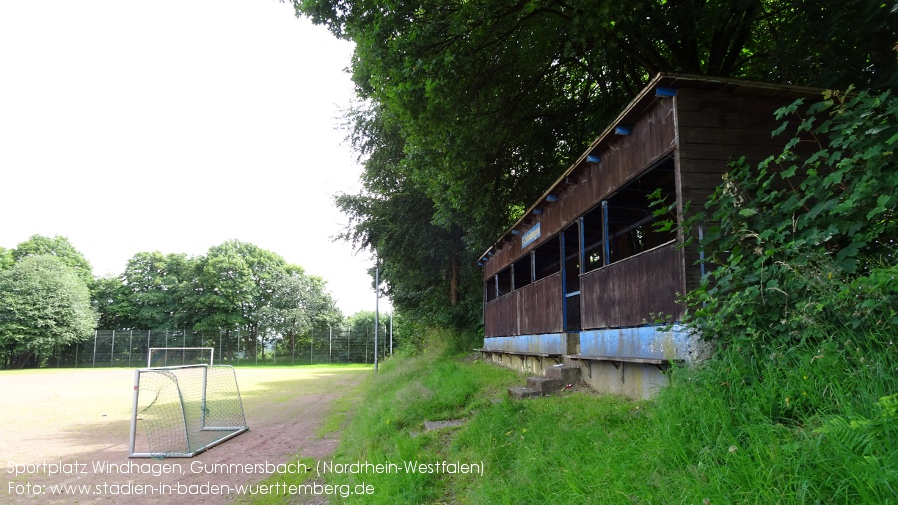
(94, 362)
(112, 351)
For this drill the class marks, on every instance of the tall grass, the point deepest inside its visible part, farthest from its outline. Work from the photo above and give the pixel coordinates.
(802, 424)
(388, 425)
(798, 424)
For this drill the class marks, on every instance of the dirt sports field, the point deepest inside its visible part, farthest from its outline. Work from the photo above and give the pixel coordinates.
(57, 425)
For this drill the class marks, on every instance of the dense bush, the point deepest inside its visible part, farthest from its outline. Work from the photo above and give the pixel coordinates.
(800, 242)
(800, 404)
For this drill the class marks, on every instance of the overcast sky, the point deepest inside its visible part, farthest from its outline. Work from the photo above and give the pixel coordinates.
(175, 125)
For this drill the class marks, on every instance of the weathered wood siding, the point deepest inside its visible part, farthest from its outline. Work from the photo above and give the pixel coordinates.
(706, 125)
(531, 310)
(500, 316)
(714, 129)
(632, 291)
(653, 136)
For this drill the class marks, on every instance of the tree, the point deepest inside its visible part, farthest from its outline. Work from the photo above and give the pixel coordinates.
(155, 286)
(472, 108)
(44, 305)
(297, 304)
(111, 303)
(60, 247)
(6, 258)
(233, 283)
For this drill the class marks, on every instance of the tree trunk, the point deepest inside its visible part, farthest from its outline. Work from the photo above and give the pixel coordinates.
(26, 360)
(455, 250)
(453, 281)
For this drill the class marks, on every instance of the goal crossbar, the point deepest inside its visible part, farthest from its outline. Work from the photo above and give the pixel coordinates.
(201, 352)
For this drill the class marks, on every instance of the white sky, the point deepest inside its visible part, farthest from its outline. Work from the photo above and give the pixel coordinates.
(175, 125)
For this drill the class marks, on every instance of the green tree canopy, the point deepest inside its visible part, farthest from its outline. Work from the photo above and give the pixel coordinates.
(60, 247)
(44, 305)
(6, 258)
(156, 286)
(236, 286)
(111, 303)
(298, 303)
(469, 110)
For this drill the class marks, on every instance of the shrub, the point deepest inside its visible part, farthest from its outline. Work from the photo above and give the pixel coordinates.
(806, 241)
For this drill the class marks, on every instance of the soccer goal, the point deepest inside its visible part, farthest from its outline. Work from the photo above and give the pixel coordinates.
(184, 410)
(179, 356)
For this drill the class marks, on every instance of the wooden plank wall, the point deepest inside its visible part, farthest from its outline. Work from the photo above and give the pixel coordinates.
(500, 316)
(629, 292)
(714, 129)
(531, 310)
(623, 158)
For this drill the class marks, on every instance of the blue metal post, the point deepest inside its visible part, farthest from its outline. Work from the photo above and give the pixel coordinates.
(605, 235)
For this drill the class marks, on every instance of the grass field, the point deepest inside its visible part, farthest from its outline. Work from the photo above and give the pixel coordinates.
(67, 415)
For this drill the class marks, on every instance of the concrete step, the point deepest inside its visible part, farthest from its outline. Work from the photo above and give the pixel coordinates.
(557, 378)
(520, 393)
(570, 362)
(545, 385)
(567, 374)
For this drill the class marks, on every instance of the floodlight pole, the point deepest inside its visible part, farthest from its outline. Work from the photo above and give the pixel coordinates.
(376, 310)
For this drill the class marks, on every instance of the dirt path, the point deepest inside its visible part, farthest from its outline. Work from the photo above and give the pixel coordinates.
(284, 411)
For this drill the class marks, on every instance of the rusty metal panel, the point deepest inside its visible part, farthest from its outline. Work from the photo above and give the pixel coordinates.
(645, 342)
(551, 343)
(634, 291)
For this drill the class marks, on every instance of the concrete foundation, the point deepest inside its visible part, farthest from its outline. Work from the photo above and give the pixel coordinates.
(633, 380)
(527, 365)
(629, 362)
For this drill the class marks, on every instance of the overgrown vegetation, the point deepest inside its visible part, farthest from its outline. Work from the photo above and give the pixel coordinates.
(807, 239)
(799, 404)
(468, 111)
(798, 425)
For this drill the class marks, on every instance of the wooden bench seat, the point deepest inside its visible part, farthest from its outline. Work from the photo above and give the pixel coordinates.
(517, 353)
(617, 360)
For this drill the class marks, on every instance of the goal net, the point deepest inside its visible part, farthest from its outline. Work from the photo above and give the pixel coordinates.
(178, 356)
(184, 410)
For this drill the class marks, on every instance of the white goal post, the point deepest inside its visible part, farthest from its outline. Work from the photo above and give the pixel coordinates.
(178, 356)
(184, 410)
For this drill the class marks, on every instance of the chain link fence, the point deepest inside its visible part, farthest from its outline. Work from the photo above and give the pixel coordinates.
(129, 348)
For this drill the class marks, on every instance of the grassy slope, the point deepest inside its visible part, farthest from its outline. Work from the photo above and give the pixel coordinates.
(789, 427)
